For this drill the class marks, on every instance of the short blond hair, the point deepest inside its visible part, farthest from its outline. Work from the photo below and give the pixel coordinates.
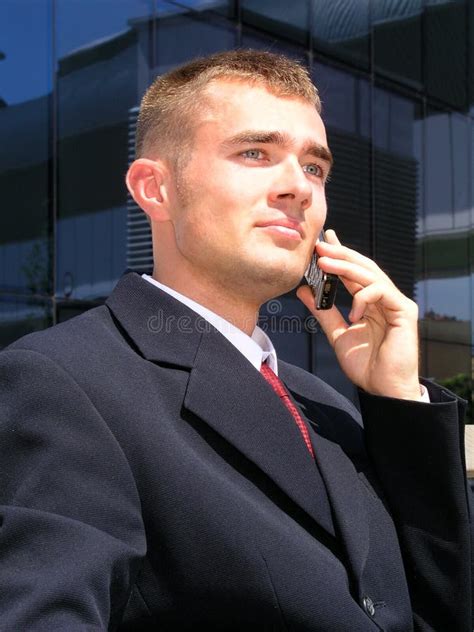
(171, 103)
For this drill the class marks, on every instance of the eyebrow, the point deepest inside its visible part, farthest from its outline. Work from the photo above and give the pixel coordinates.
(256, 137)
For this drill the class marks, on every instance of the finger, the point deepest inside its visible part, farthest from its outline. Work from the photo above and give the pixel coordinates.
(349, 270)
(387, 296)
(331, 320)
(331, 237)
(351, 286)
(334, 249)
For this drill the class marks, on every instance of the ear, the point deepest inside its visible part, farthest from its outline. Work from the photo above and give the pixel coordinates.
(146, 180)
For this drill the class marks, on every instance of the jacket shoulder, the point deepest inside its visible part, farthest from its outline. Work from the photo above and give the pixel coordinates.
(85, 333)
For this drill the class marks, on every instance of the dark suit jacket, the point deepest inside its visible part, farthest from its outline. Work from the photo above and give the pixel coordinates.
(152, 480)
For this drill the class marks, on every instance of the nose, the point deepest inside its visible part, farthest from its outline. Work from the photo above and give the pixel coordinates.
(291, 187)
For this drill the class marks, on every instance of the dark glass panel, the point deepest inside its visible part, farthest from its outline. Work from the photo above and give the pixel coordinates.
(470, 44)
(227, 8)
(446, 320)
(251, 38)
(325, 364)
(445, 51)
(274, 18)
(285, 320)
(70, 309)
(397, 29)
(471, 251)
(341, 28)
(185, 34)
(25, 110)
(346, 114)
(460, 155)
(83, 24)
(103, 69)
(397, 174)
(20, 316)
(438, 172)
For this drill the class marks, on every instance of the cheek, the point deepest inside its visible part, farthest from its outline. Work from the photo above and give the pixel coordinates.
(319, 206)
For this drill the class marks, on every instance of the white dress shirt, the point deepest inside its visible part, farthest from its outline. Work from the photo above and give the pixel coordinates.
(257, 348)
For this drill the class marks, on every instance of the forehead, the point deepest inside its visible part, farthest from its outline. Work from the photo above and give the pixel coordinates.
(230, 106)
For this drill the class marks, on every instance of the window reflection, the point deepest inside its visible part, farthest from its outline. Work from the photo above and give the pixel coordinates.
(188, 34)
(346, 113)
(445, 51)
(19, 317)
(25, 171)
(274, 17)
(397, 33)
(342, 29)
(101, 70)
(396, 185)
(446, 314)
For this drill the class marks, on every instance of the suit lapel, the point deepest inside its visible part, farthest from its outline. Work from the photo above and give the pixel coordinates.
(224, 389)
(343, 486)
(231, 396)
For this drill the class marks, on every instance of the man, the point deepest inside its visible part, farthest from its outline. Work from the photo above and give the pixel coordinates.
(151, 476)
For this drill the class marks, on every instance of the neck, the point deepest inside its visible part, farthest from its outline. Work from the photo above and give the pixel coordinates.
(241, 313)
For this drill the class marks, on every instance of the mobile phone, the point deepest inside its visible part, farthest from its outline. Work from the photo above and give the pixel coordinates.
(323, 285)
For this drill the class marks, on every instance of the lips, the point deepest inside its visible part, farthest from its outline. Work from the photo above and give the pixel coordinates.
(283, 224)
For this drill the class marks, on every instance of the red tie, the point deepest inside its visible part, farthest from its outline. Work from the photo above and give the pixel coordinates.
(281, 391)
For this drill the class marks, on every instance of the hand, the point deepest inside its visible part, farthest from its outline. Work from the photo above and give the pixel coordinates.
(378, 349)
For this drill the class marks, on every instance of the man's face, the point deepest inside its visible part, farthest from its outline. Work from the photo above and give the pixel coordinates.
(250, 201)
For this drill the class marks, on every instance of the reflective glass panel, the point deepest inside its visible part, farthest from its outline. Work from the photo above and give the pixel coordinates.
(445, 51)
(275, 18)
(183, 33)
(397, 175)
(341, 28)
(25, 167)
(21, 316)
(346, 113)
(285, 320)
(397, 37)
(447, 314)
(227, 8)
(346, 100)
(251, 38)
(104, 60)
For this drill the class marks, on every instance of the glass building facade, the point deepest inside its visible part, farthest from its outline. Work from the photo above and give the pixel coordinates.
(396, 78)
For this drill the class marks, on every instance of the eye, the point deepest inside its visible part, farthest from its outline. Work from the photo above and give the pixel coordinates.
(253, 154)
(313, 170)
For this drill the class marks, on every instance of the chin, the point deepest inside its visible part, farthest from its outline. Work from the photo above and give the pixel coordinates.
(274, 276)
(284, 281)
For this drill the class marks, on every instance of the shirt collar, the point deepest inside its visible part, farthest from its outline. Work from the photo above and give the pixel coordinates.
(257, 348)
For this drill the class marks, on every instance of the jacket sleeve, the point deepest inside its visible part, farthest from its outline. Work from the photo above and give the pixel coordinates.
(71, 534)
(417, 450)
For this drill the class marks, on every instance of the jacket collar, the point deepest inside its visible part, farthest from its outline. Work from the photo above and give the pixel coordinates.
(161, 327)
